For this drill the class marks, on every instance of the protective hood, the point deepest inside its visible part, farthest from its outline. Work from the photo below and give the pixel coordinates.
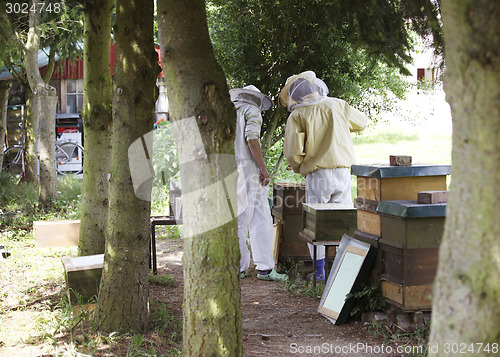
(302, 89)
(251, 95)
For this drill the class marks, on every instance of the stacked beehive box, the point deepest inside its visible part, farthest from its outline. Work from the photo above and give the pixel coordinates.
(379, 183)
(287, 211)
(327, 222)
(411, 234)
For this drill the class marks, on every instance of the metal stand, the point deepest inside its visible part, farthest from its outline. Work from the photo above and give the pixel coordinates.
(158, 221)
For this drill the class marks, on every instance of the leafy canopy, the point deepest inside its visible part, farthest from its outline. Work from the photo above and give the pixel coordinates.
(358, 47)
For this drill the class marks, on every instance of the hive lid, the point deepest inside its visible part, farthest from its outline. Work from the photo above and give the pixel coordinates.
(87, 262)
(385, 171)
(411, 209)
(311, 207)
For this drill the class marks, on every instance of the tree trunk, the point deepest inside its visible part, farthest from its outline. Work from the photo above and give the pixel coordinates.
(204, 126)
(97, 121)
(46, 109)
(466, 308)
(123, 295)
(4, 100)
(31, 136)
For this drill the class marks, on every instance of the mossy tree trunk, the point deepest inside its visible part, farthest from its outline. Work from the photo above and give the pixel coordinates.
(466, 306)
(45, 110)
(123, 295)
(31, 132)
(204, 126)
(97, 119)
(4, 99)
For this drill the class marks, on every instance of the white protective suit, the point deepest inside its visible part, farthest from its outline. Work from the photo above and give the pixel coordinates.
(254, 213)
(323, 185)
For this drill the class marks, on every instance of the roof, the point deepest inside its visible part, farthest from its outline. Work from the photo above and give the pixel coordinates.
(43, 60)
(71, 69)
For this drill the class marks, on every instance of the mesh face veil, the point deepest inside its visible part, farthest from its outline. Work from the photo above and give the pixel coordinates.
(303, 89)
(249, 99)
(251, 95)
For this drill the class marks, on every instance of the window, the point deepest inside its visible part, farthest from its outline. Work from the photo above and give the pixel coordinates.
(420, 74)
(74, 95)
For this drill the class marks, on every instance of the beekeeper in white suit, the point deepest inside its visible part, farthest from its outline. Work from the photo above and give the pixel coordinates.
(254, 213)
(318, 143)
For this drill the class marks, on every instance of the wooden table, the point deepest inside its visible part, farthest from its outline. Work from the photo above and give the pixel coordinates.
(158, 221)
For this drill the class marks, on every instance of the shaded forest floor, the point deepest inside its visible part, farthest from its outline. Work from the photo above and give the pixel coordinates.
(278, 323)
(37, 321)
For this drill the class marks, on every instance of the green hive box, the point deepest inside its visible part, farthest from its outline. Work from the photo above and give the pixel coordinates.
(409, 250)
(83, 276)
(328, 221)
(408, 224)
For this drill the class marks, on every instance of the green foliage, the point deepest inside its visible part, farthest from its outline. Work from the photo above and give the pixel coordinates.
(162, 320)
(263, 42)
(368, 299)
(19, 206)
(61, 31)
(165, 160)
(418, 338)
(166, 167)
(296, 285)
(166, 280)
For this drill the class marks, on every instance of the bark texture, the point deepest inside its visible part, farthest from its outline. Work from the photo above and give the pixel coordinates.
(97, 119)
(204, 122)
(46, 98)
(4, 99)
(466, 306)
(31, 132)
(123, 295)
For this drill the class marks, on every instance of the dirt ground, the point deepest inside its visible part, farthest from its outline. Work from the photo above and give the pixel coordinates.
(275, 322)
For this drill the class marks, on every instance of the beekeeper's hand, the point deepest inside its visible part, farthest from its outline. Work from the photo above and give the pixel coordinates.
(265, 178)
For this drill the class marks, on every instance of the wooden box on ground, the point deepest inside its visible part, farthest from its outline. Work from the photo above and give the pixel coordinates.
(290, 245)
(83, 275)
(287, 208)
(412, 225)
(408, 298)
(408, 266)
(387, 183)
(56, 233)
(328, 221)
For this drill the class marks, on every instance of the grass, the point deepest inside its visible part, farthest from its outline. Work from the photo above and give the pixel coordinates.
(34, 311)
(377, 143)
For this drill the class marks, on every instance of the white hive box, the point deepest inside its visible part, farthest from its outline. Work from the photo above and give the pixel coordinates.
(56, 233)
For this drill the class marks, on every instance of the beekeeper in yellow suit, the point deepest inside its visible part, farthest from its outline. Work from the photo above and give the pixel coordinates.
(318, 143)
(254, 212)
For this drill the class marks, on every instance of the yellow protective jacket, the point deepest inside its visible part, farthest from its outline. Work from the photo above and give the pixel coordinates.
(318, 136)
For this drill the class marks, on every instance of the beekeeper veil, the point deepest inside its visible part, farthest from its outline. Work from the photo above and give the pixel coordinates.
(251, 95)
(302, 89)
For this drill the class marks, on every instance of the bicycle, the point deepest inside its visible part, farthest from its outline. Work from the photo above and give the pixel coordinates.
(13, 157)
(69, 158)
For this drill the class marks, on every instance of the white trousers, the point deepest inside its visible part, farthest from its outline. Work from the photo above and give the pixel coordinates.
(254, 218)
(327, 186)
